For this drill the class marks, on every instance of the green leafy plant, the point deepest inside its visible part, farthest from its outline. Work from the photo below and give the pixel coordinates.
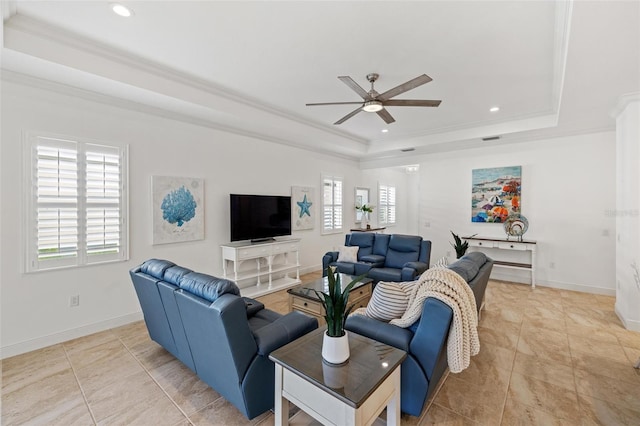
(460, 246)
(335, 302)
(368, 208)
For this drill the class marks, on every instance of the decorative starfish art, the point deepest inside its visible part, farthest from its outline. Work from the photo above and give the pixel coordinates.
(304, 206)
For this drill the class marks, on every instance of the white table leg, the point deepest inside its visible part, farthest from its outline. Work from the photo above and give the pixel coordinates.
(533, 267)
(281, 405)
(393, 407)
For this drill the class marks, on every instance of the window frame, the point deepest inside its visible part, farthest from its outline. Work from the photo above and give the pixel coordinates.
(384, 207)
(334, 229)
(85, 202)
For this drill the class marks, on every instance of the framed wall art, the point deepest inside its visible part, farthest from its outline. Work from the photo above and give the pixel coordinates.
(495, 193)
(178, 209)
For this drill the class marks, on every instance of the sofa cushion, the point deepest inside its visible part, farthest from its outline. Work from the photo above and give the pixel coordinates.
(348, 254)
(389, 300)
(207, 286)
(345, 267)
(156, 267)
(385, 274)
(375, 259)
(174, 274)
(402, 249)
(364, 240)
(469, 265)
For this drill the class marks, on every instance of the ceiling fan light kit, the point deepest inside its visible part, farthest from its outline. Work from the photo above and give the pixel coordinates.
(373, 101)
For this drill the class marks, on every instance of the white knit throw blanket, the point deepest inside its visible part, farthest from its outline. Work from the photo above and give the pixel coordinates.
(449, 287)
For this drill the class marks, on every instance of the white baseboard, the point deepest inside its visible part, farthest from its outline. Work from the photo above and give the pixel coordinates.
(519, 278)
(74, 333)
(629, 324)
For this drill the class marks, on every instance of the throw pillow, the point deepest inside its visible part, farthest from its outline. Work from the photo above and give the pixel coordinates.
(348, 254)
(389, 300)
(442, 263)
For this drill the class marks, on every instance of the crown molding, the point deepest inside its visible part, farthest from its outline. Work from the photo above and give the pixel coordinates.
(50, 33)
(623, 102)
(87, 95)
(562, 31)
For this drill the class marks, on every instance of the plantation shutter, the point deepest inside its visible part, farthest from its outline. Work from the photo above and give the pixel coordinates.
(332, 204)
(76, 203)
(387, 210)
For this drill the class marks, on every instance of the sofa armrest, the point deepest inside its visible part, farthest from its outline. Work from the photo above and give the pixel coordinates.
(380, 331)
(253, 306)
(429, 341)
(282, 331)
(411, 270)
(328, 259)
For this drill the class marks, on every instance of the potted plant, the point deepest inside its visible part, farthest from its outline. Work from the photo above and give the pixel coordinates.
(335, 344)
(460, 246)
(365, 209)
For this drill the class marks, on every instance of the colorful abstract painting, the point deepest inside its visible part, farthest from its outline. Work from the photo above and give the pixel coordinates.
(495, 193)
(302, 208)
(178, 209)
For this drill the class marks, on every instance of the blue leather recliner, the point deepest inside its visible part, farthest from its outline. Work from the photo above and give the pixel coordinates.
(222, 337)
(383, 257)
(426, 340)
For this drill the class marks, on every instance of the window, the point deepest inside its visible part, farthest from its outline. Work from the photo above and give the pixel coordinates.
(76, 203)
(331, 204)
(387, 207)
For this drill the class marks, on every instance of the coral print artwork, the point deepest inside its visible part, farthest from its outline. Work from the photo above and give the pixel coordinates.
(178, 209)
(495, 193)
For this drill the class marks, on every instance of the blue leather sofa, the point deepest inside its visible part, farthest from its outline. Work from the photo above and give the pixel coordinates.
(425, 341)
(222, 337)
(383, 257)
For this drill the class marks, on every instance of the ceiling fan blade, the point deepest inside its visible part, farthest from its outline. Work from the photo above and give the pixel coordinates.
(355, 87)
(335, 103)
(411, 102)
(384, 114)
(411, 84)
(348, 116)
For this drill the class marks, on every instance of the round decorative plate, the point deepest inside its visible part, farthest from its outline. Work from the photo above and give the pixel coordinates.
(515, 225)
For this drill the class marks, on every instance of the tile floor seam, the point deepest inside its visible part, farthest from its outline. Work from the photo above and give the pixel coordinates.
(84, 396)
(155, 381)
(513, 364)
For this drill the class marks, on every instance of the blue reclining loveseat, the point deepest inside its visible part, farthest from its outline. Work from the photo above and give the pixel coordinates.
(224, 338)
(426, 340)
(383, 257)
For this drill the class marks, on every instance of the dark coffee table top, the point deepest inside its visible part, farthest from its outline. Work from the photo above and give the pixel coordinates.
(370, 363)
(322, 284)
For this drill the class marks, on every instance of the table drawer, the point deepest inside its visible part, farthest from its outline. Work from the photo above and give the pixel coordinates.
(252, 252)
(284, 248)
(362, 293)
(507, 245)
(302, 304)
(476, 243)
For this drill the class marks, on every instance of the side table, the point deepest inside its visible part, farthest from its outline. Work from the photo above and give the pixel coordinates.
(354, 393)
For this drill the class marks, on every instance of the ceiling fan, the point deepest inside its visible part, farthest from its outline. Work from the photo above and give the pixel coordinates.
(375, 102)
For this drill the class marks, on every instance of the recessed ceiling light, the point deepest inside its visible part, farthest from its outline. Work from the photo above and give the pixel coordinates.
(494, 109)
(122, 10)
(385, 130)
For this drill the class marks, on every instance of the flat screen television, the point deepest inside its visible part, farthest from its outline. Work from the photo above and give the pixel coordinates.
(259, 217)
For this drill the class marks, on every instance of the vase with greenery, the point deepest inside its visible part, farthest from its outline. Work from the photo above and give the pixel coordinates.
(336, 312)
(459, 245)
(365, 209)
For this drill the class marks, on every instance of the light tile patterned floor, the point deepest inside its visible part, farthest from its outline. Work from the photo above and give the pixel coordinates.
(547, 357)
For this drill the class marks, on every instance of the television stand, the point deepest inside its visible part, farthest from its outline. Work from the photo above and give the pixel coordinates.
(259, 268)
(263, 240)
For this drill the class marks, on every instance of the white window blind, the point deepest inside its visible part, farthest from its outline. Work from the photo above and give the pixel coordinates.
(76, 203)
(331, 204)
(387, 204)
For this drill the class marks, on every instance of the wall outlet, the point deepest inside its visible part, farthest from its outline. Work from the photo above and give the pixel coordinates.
(74, 301)
(605, 232)
(552, 265)
(427, 224)
(448, 254)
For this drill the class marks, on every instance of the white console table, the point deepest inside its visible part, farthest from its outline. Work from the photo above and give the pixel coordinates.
(270, 260)
(504, 244)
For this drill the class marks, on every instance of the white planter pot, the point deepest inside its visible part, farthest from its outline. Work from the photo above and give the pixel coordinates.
(335, 350)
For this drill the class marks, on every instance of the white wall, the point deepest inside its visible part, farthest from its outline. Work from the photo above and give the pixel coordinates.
(35, 309)
(627, 215)
(568, 186)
